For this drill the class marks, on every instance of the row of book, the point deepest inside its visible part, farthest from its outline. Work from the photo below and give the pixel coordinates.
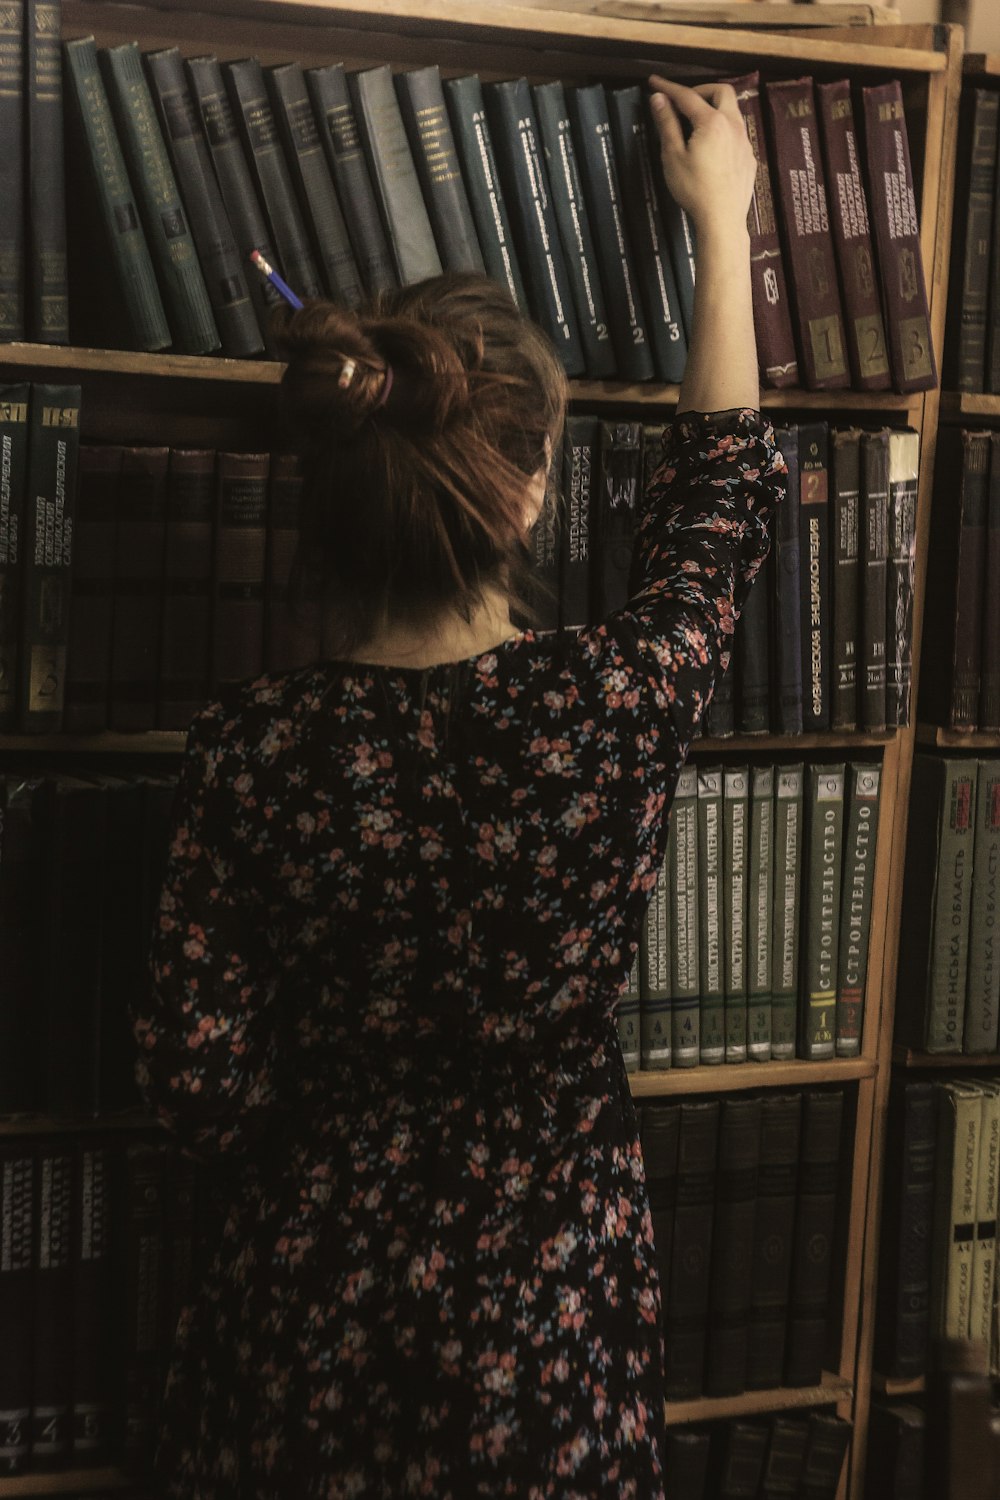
(743, 1196)
(960, 680)
(972, 344)
(949, 955)
(764, 1459)
(755, 944)
(938, 1257)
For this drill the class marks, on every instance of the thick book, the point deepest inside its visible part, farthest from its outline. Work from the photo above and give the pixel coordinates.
(901, 552)
(90, 124)
(736, 834)
(238, 577)
(25, 802)
(822, 910)
(753, 643)
(989, 682)
(575, 232)
(815, 1218)
(789, 859)
(291, 630)
(183, 681)
(140, 537)
(685, 1463)
(801, 192)
(654, 977)
(786, 1453)
(984, 1250)
(711, 946)
(618, 495)
(474, 144)
(732, 1242)
(88, 665)
(638, 163)
(224, 269)
(124, 941)
(845, 569)
(629, 1013)
(772, 319)
(588, 108)
(435, 154)
(50, 513)
(860, 841)
(953, 1226)
(14, 406)
(972, 236)
(661, 1124)
(874, 543)
(788, 595)
(171, 244)
(896, 1465)
(142, 1292)
(682, 862)
(827, 1440)
(320, 207)
(17, 1280)
(897, 239)
(683, 251)
(47, 293)
(774, 1227)
(760, 912)
(94, 1304)
(686, 1304)
(865, 331)
(814, 565)
(739, 1458)
(13, 321)
(581, 473)
(980, 1029)
(258, 132)
(904, 1270)
(54, 1299)
(338, 131)
(720, 716)
(394, 175)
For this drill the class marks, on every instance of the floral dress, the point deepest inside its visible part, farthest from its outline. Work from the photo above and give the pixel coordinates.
(399, 908)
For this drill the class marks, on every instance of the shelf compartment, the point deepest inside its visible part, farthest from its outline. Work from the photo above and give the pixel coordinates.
(956, 739)
(832, 1389)
(69, 1482)
(728, 1077)
(909, 1057)
(969, 404)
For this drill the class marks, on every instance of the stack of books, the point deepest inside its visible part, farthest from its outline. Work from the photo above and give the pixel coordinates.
(767, 1458)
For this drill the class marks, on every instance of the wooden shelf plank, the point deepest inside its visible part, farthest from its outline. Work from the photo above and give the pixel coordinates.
(886, 1385)
(67, 1482)
(741, 14)
(732, 1076)
(909, 1057)
(982, 64)
(38, 1124)
(969, 404)
(956, 739)
(832, 1389)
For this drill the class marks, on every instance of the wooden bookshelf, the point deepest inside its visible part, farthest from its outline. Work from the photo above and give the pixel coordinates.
(908, 1057)
(728, 1077)
(71, 1482)
(956, 739)
(968, 405)
(833, 1390)
(886, 1385)
(39, 1124)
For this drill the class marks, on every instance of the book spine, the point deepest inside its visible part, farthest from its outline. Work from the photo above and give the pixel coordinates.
(774, 1226)
(683, 871)
(259, 134)
(759, 913)
(825, 791)
(618, 498)
(680, 239)
(788, 605)
(956, 1173)
(88, 665)
(904, 459)
(989, 686)
(811, 265)
(524, 180)
(238, 573)
(637, 164)
(856, 905)
(338, 131)
(425, 115)
(13, 321)
(984, 1253)
(291, 635)
(736, 818)
(143, 1293)
(17, 1299)
(904, 1262)
(14, 407)
(741, 1461)
(869, 358)
(772, 319)
(814, 562)
(968, 302)
(592, 136)
(123, 940)
(754, 644)
(827, 1442)
(875, 540)
(687, 1301)
(394, 176)
(139, 587)
(948, 967)
(54, 442)
(720, 717)
(845, 463)
(654, 977)
(897, 240)
(659, 1138)
(815, 1218)
(732, 1238)
(218, 253)
(896, 1461)
(474, 143)
(51, 1392)
(992, 372)
(126, 240)
(629, 1013)
(920, 875)
(581, 467)
(711, 947)
(170, 242)
(24, 807)
(47, 291)
(556, 141)
(544, 545)
(686, 1457)
(184, 679)
(313, 185)
(788, 845)
(983, 983)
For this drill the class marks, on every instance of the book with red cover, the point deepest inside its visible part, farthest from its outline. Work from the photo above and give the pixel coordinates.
(52, 1366)
(897, 240)
(801, 192)
(17, 1279)
(88, 667)
(291, 631)
(139, 540)
(238, 571)
(186, 626)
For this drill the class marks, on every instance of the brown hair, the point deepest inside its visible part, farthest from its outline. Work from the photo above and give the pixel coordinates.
(415, 485)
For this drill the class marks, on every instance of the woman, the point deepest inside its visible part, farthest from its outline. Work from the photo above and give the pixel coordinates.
(404, 891)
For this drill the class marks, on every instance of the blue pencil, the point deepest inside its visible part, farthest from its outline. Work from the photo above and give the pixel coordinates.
(272, 276)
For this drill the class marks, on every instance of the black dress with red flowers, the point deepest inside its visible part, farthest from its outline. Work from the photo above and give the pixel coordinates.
(399, 908)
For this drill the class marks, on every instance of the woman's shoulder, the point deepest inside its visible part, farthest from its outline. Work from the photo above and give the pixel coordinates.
(259, 716)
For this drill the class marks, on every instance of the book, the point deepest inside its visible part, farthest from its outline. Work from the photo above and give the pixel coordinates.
(474, 144)
(659, 1137)
(17, 1206)
(629, 1013)
(291, 631)
(788, 594)
(685, 1463)
(425, 115)
(789, 850)
(680, 238)
(815, 1218)
(686, 1304)
(984, 1250)
(732, 1241)
(804, 218)
(615, 517)
(394, 175)
(140, 537)
(989, 682)
(238, 576)
(760, 894)
(904, 1269)
(866, 348)
(897, 239)
(13, 318)
(896, 1464)
(740, 1464)
(774, 1226)
(720, 717)
(143, 1291)
(14, 402)
(753, 644)
(46, 290)
(821, 909)
(183, 681)
(814, 569)
(170, 242)
(544, 548)
(972, 234)
(956, 1173)
(845, 498)
(654, 977)
(52, 1370)
(980, 1028)
(581, 470)
(94, 1304)
(123, 942)
(827, 1441)
(711, 948)
(736, 832)
(901, 548)
(25, 809)
(682, 860)
(873, 549)
(88, 664)
(860, 848)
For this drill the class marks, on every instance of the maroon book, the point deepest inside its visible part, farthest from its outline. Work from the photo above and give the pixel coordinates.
(852, 237)
(94, 1304)
(139, 538)
(291, 632)
(772, 316)
(801, 193)
(897, 240)
(186, 629)
(88, 667)
(52, 1376)
(238, 574)
(17, 1208)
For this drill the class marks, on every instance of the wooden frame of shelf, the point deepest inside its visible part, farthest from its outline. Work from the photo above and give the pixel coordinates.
(934, 736)
(833, 1390)
(956, 406)
(909, 1057)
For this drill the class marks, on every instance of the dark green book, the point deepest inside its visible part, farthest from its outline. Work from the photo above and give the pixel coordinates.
(786, 1453)
(711, 945)
(760, 893)
(14, 401)
(736, 833)
(684, 900)
(874, 554)
(983, 982)
(474, 144)
(425, 115)
(732, 1239)
(827, 1442)
(91, 124)
(860, 843)
(815, 1223)
(659, 1136)
(821, 925)
(680, 238)
(12, 178)
(774, 1227)
(47, 291)
(687, 1294)
(394, 175)
(628, 1019)
(845, 500)
(618, 494)
(164, 219)
(788, 861)
(654, 977)
(581, 468)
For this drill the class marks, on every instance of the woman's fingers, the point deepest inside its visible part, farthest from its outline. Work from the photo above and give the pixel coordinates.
(722, 96)
(689, 102)
(667, 122)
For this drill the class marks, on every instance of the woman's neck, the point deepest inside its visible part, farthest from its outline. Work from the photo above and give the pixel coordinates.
(452, 639)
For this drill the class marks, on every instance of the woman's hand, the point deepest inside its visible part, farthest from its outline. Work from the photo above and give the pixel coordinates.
(712, 173)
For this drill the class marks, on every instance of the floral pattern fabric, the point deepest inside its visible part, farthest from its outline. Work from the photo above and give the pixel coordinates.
(398, 911)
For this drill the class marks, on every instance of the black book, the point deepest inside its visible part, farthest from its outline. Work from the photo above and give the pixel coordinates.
(17, 1284)
(394, 175)
(754, 647)
(904, 1272)
(815, 1218)
(686, 1302)
(732, 1241)
(845, 499)
(310, 175)
(123, 942)
(52, 1368)
(874, 549)
(615, 519)
(259, 134)
(579, 252)
(720, 720)
(218, 252)
(338, 131)
(47, 291)
(94, 1305)
(969, 282)
(141, 1232)
(88, 668)
(425, 115)
(14, 408)
(774, 1228)
(788, 596)
(581, 469)
(25, 812)
(12, 239)
(738, 1461)
(525, 183)
(661, 1125)
(685, 1464)
(814, 564)
(827, 1442)
(785, 1457)
(896, 1467)
(482, 180)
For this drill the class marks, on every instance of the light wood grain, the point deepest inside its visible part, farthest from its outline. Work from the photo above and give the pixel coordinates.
(831, 1390)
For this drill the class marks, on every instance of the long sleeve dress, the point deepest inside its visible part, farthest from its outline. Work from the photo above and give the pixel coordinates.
(399, 908)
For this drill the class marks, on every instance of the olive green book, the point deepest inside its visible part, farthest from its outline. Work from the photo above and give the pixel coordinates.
(821, 931)
(683, 869)
(953, 1222)
(736, 832)
(984, 1253)
(654, 976)
(788, 816)
(628, 1019)
(982, 990)
(860, 836)
(711, 953)
(760, 893)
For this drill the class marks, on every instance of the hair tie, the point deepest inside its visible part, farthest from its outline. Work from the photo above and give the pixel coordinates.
(386, 388)
(346, 375)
